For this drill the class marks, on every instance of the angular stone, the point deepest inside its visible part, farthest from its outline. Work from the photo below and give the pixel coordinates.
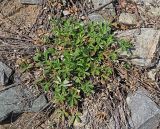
(144, 111)
(128, 18)
(37, 2)
(16, 100)
(10, 102)
(96, 17)
(146, 44)
(5, 73)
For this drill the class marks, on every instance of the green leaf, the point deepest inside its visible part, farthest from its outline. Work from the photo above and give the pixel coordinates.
(73, 97)
(47, 86)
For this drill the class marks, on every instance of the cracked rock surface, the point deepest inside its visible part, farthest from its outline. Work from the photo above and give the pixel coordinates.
(145, 45)
(16, 100)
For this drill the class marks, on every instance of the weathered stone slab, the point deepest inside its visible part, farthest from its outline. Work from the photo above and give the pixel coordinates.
(146, 42)
(16, 100)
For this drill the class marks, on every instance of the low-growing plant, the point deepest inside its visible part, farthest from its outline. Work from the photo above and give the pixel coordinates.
(81, 53)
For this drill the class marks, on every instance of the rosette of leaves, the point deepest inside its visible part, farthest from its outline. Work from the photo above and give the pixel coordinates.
(79, 54)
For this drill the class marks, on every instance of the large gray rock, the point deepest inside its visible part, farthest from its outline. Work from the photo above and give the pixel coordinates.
(16, 100)
(10, 102)
(31, 2)
(128, 18)
(146, 45)
(145, 113)
(5, 73)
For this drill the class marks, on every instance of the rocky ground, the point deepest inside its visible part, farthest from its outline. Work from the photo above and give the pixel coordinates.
(134, 104)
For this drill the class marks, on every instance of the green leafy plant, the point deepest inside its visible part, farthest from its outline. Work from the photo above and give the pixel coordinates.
(79, 55)
(24, 65)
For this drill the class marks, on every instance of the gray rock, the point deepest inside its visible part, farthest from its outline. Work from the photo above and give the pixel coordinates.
(32, 2)
(5, 73)
(144, 112)
(10, 102)
(16, 100)
(96, 17)
(128, 18)
(38, 103)
(146, 44)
